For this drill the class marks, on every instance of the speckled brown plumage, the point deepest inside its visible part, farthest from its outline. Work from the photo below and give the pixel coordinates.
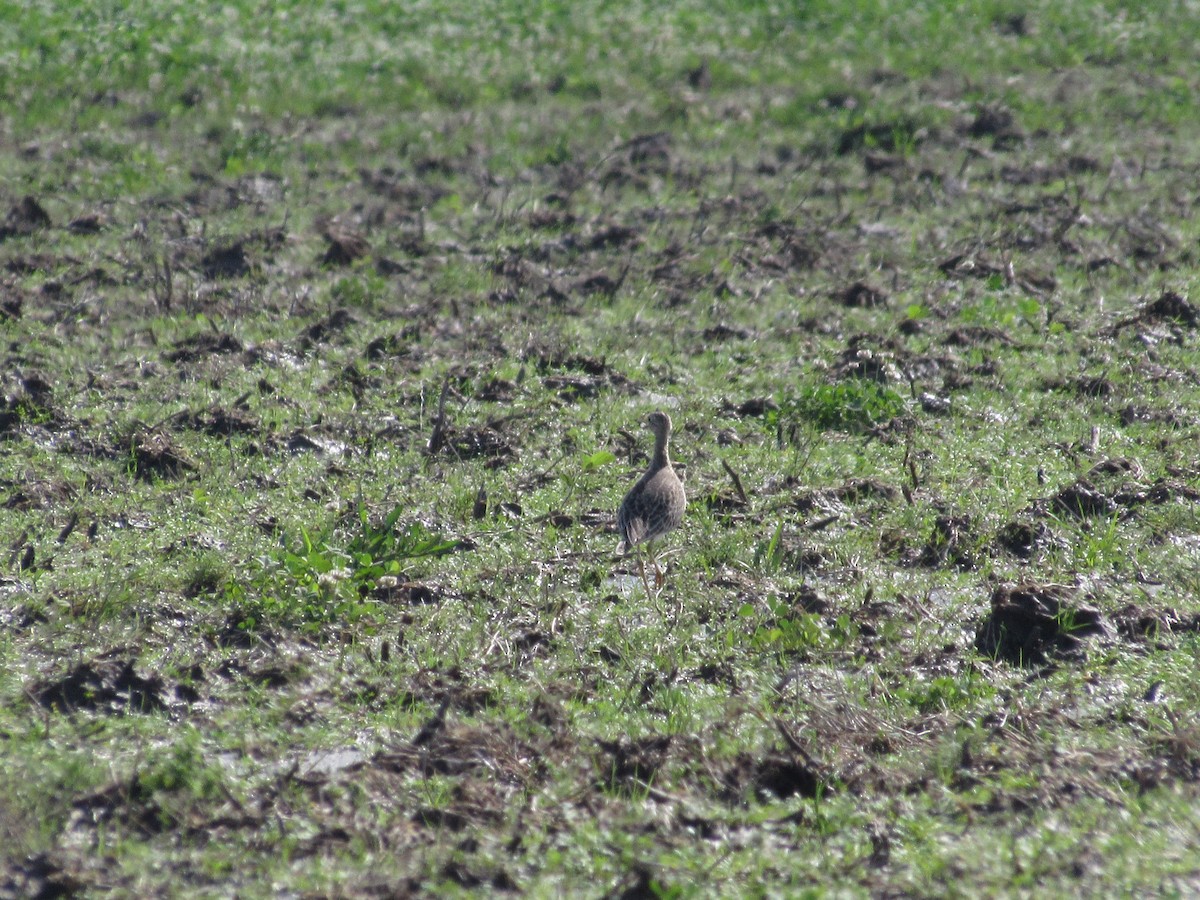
(654, 506)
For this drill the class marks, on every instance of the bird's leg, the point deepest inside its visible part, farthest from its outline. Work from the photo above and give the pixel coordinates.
(659, 577)
(642, 572)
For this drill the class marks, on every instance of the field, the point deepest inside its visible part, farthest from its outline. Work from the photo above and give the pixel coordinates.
(329, 333)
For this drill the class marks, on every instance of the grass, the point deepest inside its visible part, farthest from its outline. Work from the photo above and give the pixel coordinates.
(323, 379)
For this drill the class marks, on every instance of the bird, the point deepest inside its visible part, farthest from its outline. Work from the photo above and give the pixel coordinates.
(654, 506)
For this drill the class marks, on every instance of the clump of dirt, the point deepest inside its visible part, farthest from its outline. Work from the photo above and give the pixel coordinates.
(12, 306)
(21, 618)
(323, 329)
(594, 376)
(487, 758)
(631, 764)
(997, 122)
(856, 490)
(344, 247)
(1090, 386)
(1030, 623)
(782, 776)
(884, 136)
(476, 442)
(480, 876)
(397, 591)
(88, 223)
(393, 345)
(154, 454)
(228, 261)
(203, 345)
(573, 388)
(26, 397)
(612, 235)
(31, 387)
(548, 359)
(1117, 465)
(862, 296)
(218, 421)
(1170, 307)
(951, 542)
(723, 331)
(773, 775)
(106, 684)
(637, 161)
(755, 407)
(1139, 623)
(965, 265)
(496, 390)
(525, 281)
(1082, 500)
(600, 283)
(42, 876)
(130, 803)
(1022, 539)
(1134, 413)
(974, 335)
(24, 218)
(1112, 487)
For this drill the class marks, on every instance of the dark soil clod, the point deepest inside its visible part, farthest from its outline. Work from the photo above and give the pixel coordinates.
(784, 776)
(700, 78)
(408, 592)
(997, 122)
(574, 387)
(1171, 307)
(344, 248)
(966, 266)
(203, 345)
(323, 329)
(11, 307)
(478, 442)
(1030, 623)
(217, 421)
(42, 876)
(225, 262)
(1082, 500)
(885, 136)
(723, 331)
(154, 454)
(91, 223)
(613, 236)
(626, 764)
(950, 542)
(862, 296)
(103, 685)
(24, 218)
(754, 407)
(1022, 539)
(1138, 623)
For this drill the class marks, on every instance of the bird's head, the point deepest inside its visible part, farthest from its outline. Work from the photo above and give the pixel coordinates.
(659, 423)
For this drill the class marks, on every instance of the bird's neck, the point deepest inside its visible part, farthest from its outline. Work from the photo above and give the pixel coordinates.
(661, 458)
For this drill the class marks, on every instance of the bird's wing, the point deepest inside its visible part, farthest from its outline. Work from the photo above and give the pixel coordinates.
(635, 530)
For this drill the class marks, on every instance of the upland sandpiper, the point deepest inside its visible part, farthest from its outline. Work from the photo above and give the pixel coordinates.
(654, 506)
